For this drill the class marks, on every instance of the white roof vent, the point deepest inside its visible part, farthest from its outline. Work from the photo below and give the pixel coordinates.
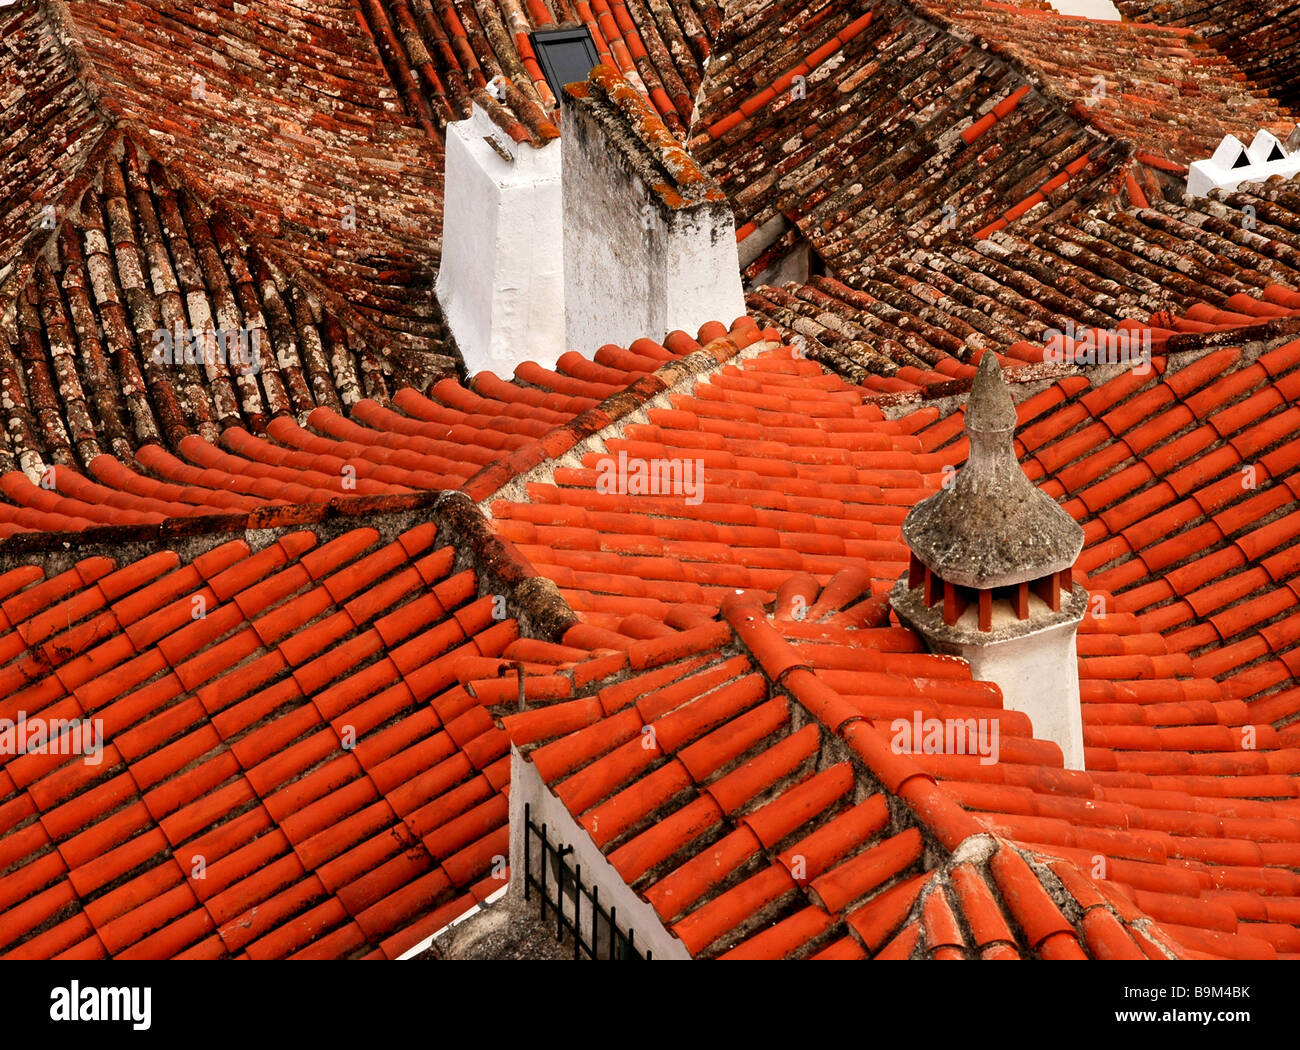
(1233, 163)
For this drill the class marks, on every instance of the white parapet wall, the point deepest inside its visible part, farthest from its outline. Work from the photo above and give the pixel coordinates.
(1234, 163)
(644, 254)
(501, 279)
(528, 789)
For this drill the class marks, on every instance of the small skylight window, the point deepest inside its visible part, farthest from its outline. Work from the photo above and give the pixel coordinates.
(565, 55)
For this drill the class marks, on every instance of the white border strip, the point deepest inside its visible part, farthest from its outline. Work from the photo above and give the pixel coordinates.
(425, 944)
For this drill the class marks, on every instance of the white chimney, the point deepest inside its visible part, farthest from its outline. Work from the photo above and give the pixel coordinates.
(990, 578)
(649, 240)
(501, 278)
(1233, 163)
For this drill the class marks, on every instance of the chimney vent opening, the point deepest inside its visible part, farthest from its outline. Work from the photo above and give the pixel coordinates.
(1234, 163)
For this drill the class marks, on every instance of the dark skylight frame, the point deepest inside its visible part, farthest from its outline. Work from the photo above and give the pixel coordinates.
(565, 55)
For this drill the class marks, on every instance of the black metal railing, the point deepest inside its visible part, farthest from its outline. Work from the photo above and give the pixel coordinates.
(595, 932)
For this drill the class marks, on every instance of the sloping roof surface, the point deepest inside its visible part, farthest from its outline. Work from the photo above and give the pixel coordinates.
(320, 418)
(1158, 86)
(879, 130)
(293, 129)
(1188, 812)
(745, 790)
(1188, 800)
(50, 127)
(443, 55)
(1186, 271)
(272, 734)
(1260, 35)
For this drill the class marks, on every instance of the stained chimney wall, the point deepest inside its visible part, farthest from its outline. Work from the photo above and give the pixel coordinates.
(638, 259)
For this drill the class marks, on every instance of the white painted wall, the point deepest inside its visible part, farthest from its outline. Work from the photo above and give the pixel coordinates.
(632, 266)
(527, 787)
(1097, 10)
(501, 280)
(1039, 676)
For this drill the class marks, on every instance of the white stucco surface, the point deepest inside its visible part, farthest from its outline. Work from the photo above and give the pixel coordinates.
(1218, 172)
(1039, 677)
(1033, 662)
(1097, 10)
(634, 267)
(501, 279)
(527, 788)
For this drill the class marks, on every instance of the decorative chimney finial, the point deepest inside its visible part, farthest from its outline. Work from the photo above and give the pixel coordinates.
(990, 577)
(991, 526)
(989, 409)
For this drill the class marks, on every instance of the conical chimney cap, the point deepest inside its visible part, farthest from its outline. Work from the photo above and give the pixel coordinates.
(991, 526)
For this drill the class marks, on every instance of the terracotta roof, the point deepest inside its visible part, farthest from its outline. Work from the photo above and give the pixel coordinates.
(443, 55)
(752, 821)
(1196, 829)
(1181, 271)
(326, 341)
(643, 140)
(1176, 755)
(802, 476)
(267, 781)
(769, 816)
(295, 641)
(321, 419)
(1184, 482)
(1159, 87)
(906, 124)
(896, 132)
(141, 257)
(1259, 36)
(305, 149)
(50, 129)
(296, 760)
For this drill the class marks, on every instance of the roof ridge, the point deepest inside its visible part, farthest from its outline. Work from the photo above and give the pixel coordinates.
(506, 477)
(533, 599)
(641, 135)
(943, 818)
(53, 16)
(88, 173)
(536, 601)
(929, 11)
(979, 871)
(497, 479)
(1010, 52)
(92, 81)
(175, 530)
(440, 365)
